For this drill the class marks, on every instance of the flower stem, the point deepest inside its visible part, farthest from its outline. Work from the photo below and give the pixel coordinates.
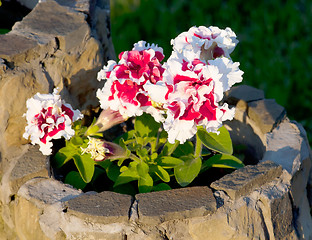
(198, 146)
(173, 147)
(134, 158)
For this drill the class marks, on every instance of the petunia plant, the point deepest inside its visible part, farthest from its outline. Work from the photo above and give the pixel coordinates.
(176, 107)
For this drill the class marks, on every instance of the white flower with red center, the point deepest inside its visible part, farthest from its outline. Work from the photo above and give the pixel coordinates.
(205, 43)
(49, 117)
(124, 89)
(194, 92)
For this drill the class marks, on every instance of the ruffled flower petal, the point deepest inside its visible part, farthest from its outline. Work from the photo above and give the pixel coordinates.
(124, 89)
(205, 43)
(49, 117)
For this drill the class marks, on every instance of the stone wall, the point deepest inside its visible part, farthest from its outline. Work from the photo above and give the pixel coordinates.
(63, 44)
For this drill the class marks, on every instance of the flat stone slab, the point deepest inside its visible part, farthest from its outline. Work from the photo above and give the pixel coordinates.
(244, 180)
(32, 164)
(243, 92)
(46, 191)
(157, 207)
(266, 113)
(60, 22)
(105, 207)
(12, 44)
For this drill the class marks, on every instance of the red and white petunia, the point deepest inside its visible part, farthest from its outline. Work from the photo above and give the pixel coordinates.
(205, 43)
(124, 88)
(49, 117)
(193, 98)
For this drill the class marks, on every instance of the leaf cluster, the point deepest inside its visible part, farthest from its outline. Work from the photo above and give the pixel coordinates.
(150, 162)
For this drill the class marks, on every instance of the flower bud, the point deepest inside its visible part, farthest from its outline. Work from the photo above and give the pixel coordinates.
(107, 119)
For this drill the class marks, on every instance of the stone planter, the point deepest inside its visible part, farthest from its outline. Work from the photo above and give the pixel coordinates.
(268, 199)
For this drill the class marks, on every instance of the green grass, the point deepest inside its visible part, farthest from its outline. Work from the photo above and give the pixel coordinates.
(275, 40)
(4, 31)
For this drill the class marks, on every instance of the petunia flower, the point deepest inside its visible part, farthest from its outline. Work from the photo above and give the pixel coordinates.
(101, 150)
(205, 43)
(124, 90)
(194, 97)
(49, 117)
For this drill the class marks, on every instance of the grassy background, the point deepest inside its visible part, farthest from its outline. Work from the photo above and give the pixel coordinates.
(275, 40)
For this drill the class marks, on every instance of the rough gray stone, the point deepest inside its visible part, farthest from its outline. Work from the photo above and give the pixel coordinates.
(32, 199)
(47, 191)
(104, 207)
(28, 3)
(30, 165)
(60, 23)
(282, 216)
(13, 44)
(157, 207)
(245, 135)
(244, 180)
(299, 182)
(285, 147)
(243, 92)
(266, 113)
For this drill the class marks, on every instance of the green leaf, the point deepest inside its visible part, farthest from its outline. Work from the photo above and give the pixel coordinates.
(104, 164)
(161, 187)
(59, 160)
(92, 130)
(169, 162)
(160, 172)
(126, 188)
(85, 166)
(142, 169)
(221, 143)
(169, 148)
(146, 126)
(185, 173)
(73, 178)
(184, 149)
(77, 141)
(142, 153)
(163, 137)
(125, 177)
(64, 155)
(113, 172)
(145, 183)
(69, 151)
(126, 136)
(223, 161)
(129, 174)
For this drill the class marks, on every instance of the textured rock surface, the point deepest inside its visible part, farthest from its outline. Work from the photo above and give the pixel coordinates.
(243, 92)
(157, 207)
(31, 164)
(105, 207)
(266, 113)
(31, 201)
(244, 180)
(62, 50)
